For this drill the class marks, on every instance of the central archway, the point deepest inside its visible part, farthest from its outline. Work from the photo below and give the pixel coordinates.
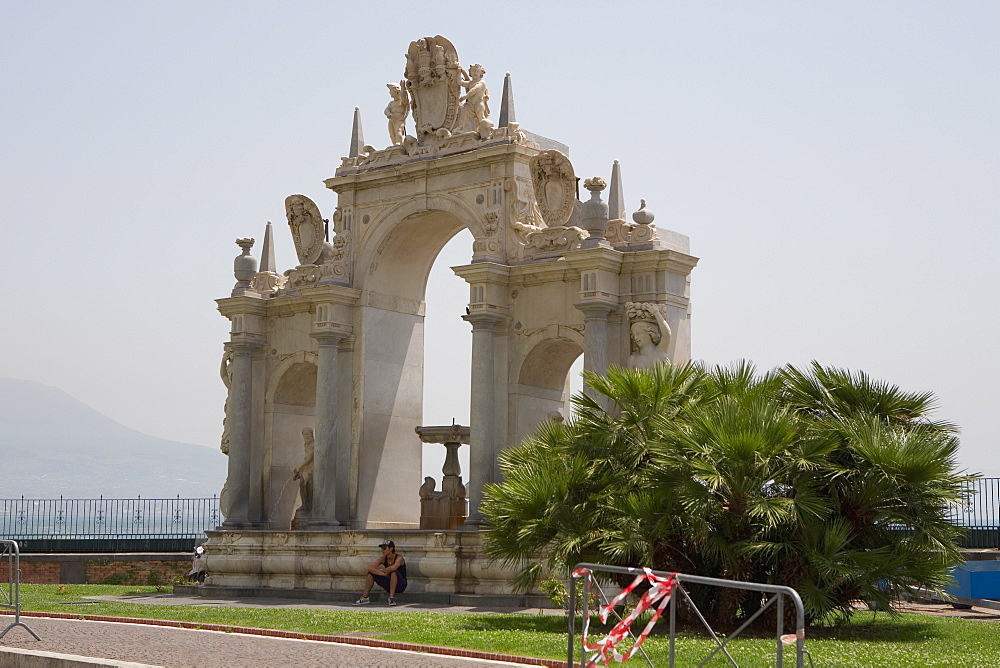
(390, 360)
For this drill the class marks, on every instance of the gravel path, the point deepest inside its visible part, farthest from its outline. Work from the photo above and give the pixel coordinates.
(172, 647)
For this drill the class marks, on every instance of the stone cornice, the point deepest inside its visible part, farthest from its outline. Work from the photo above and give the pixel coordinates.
(485, 272)
(230, 306)
(289, 305)
(659, 260)
(536, 273)
(423, 166)
(600, 258)
(332, 294)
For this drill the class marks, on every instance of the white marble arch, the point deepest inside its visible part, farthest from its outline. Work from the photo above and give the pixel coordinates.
(388, 361)
(539, 382)
(413, 231)
(290, 406)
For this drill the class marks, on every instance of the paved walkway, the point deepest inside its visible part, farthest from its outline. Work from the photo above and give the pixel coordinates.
(172, 647)
(175, 647)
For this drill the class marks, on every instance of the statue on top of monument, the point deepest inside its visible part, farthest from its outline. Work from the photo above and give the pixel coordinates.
(476, 99)
(396, 111)
(650, 335)
(433, 80)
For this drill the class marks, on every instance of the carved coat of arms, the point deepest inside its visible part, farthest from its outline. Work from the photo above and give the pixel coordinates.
(554, 182)
(433, 78)
(307, 228)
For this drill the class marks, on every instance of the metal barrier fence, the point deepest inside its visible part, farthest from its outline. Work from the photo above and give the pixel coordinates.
(778, 594)
(33, 519)
(10, 596)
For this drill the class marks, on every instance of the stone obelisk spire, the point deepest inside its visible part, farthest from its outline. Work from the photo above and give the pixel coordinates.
(267, 262)
(507, 103)
(616, 197)
(357, 136)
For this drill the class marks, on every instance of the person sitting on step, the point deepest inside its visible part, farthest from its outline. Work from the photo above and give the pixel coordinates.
(388, 572)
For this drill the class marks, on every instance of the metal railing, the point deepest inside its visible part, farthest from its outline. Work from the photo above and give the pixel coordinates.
(10, 595)
(983, 508)
(980, 515)
(33, 519)
(778, 594)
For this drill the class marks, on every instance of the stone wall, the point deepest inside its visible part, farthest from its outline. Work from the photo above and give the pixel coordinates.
(141, 568)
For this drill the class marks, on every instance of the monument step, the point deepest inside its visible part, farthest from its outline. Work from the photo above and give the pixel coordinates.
(499, 601)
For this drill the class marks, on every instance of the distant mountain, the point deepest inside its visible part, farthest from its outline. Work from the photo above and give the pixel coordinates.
(52, 445)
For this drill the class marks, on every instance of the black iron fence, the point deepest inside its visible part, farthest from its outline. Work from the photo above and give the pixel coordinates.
(73, 525)
(981, 515)
(54, 524)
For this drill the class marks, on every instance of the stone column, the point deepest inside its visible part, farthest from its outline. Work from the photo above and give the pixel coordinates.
(596, 337)
(483, 448)
(240, 412)
(324, 509)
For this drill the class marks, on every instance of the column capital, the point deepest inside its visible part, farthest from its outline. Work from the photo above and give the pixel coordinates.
(484, 319)
(241, 345)
(332, 334)
(595, 309)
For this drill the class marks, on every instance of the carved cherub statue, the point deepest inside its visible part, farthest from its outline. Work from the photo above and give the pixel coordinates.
(476, 98)
(396, 112)
(650, 335)
(304, 474)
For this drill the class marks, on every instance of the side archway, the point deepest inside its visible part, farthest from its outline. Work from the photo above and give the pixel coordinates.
(291, 400)
(542, 379)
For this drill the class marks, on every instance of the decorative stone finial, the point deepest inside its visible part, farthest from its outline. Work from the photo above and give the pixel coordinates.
(244, 267)
(594, 213)
(643, 216)
(616, 198)
(507, 103)
(357, 136)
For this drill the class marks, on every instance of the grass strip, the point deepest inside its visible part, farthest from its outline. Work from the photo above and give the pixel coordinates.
(868, 640)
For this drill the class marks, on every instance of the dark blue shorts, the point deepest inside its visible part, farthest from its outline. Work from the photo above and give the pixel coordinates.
(383, 582)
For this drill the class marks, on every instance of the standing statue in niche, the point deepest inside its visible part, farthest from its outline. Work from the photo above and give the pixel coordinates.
(650, 335)
(226, 371)
(476, 99)
(304, 474)
(397, 110)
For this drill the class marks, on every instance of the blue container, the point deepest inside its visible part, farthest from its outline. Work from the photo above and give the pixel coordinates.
(976, 579)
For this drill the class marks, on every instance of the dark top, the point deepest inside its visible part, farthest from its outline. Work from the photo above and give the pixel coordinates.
(401, 571)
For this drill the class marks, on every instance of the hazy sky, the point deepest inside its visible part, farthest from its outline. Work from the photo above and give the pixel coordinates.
(836, 165)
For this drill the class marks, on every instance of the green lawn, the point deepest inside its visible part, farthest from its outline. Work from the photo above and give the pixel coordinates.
(869, 640)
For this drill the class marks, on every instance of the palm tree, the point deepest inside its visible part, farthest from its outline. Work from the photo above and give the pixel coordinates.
(823, 480)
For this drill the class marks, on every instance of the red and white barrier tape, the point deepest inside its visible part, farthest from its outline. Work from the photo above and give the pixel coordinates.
(660, 591)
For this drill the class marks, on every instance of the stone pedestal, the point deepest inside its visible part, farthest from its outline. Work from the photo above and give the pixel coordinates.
(448, 564)
(446, 509)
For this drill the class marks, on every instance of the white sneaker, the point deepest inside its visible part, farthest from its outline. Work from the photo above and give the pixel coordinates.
(392, 601)
(364, 600)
